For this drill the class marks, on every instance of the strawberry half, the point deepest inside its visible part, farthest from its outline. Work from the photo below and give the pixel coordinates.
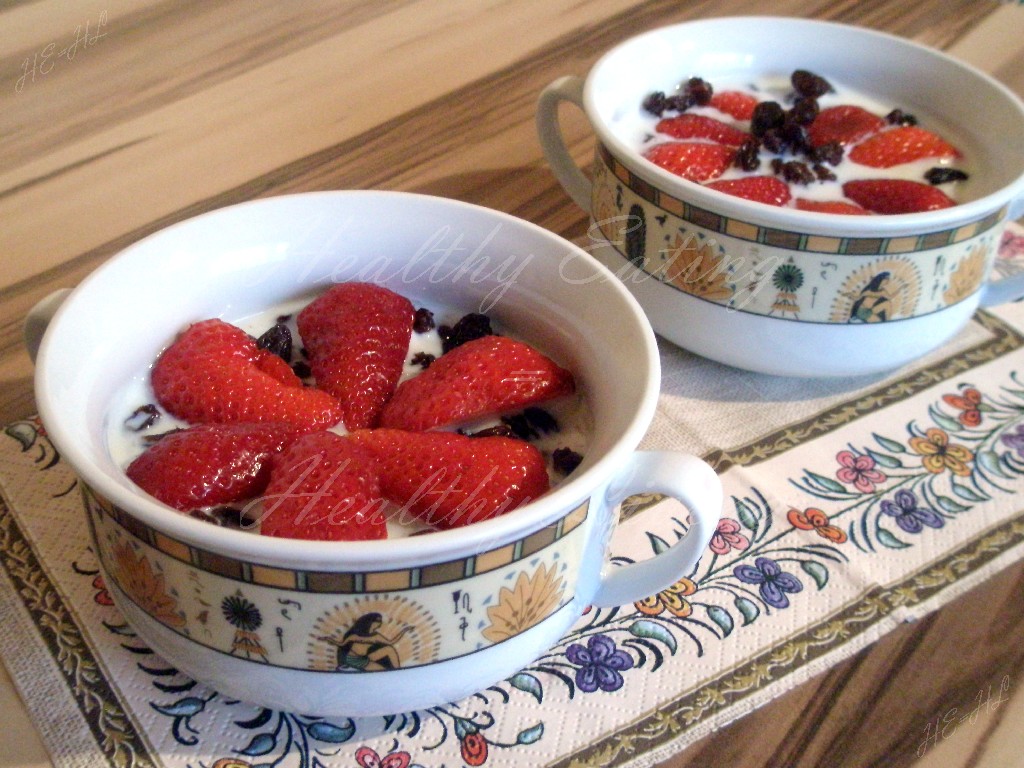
(693, 160)
(893, 196)
(324, 487)
(844, 124)
(215, 373)
(736, 104)
(691, 126)
(829, 206)
(901, 145)
(448, 480)
(486, 376)
(761, 189)
(209, 464)
(357, 337)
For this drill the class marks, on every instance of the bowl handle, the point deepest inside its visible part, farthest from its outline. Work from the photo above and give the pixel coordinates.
(38, 319)
(682, 477)
(568, 88)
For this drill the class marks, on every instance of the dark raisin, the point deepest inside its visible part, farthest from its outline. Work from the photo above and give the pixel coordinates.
(143, 417)
(423, 359)
(899, 117)
(277, 340)
(469, 327)
(772, 141)
(699, 91)
(302, 369)
(795, 137)
(823, 173)
(831, 153)
(767, 115)
(565, 460)
(944, 175)
(809, 84)
(656, 103)
(501, 430)
(804, 111)
(748, 155)
(225, 517)
(777, 165)
(423, 320)
(283, 318)
(520, 426)
(796, 172)
(541, 419)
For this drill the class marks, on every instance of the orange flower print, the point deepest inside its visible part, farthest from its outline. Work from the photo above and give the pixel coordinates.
(698, 270)
(969, 405)
(672, 600)
(145, 585)
(938, 454)
(812, 519)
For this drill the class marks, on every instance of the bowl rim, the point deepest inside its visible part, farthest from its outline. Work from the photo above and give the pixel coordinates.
(812, 222)
(339, 555)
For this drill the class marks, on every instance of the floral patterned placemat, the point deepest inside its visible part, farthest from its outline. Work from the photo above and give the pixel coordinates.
(851, 506)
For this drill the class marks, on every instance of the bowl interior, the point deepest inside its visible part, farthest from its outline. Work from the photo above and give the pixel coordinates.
(245, 259)
(960, 102)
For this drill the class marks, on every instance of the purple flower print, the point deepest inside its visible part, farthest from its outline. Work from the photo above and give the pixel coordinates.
(600, 664)
(1015, 441)
(910, 517)
(773, 582)
(727, 536)
(859, 471)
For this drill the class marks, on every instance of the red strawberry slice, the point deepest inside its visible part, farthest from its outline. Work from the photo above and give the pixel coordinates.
(215, 373)
(357, 337)
(829, 206)
(893, 196)
(737, 104)
(693, 160)
(324, 487)
(844, 124)
(447, 480)
(486, 376)
(691, 126)
(761, 189)
(901, 145)
(209, 464)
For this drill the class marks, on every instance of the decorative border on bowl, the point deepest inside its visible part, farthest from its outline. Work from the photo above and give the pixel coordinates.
(788, 276)
(343, 622)
(782, 238)
(339, 582)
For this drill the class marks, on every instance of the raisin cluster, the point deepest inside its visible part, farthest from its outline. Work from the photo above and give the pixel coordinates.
(773, 128)
(780, 131)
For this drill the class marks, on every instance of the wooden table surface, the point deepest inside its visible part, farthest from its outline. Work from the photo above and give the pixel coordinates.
(119, 117)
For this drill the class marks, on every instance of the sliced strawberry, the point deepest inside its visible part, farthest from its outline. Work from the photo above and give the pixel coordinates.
(829, 206)
(486, 376)
(903, 144)
(844, 124)
(693, 160)
(734, 103)
(691, 126)
(215, 373)
(209, 464)
(893, 196)
(447, 480)
(324, 487)
(357, 337)
(761, 189)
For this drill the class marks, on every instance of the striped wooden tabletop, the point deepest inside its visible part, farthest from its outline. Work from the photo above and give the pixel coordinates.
(119, 117)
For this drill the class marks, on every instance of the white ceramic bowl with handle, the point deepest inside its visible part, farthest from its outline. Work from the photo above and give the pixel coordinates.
(208, 598)
(776, 289)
